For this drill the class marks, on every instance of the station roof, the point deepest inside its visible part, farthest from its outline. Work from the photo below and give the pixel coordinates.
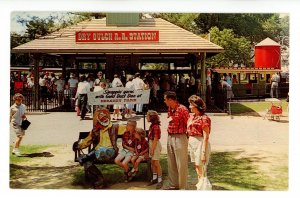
(172, 39)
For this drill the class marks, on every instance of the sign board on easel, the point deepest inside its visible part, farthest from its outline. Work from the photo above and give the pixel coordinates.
(119, 95)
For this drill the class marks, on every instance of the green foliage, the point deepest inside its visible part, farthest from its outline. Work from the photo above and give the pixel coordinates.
(237, 49)
(245, 25)
(183, 20)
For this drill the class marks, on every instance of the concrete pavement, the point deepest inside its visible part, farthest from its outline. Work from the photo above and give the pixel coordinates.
(63, 128)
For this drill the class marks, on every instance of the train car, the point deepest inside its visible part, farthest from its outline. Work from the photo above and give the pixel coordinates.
(250, 82)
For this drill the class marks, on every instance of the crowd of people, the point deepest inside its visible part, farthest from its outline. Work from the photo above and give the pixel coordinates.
(55, 87)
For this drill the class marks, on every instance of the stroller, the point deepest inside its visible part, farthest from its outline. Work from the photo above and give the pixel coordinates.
(275, 110)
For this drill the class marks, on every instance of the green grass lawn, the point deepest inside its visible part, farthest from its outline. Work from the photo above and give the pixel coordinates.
(27, 152)
(225, 172)
(254, 107)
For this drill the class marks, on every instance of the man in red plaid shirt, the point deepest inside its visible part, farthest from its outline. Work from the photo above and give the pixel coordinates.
(177, 145)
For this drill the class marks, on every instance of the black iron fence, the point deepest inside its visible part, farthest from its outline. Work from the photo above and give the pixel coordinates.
(65, 102)
(47, 102)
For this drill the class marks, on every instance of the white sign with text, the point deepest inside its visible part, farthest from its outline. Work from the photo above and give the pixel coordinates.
(119, 95)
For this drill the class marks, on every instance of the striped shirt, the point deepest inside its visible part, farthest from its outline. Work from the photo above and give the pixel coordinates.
(179, 117)
(196, 124)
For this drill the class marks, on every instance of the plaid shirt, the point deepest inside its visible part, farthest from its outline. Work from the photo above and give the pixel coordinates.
(128, 139)
(141, 145)
(179, 117)
(154, 131)
(196, 124)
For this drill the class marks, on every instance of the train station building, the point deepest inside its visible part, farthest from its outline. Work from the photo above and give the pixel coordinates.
(125, 42)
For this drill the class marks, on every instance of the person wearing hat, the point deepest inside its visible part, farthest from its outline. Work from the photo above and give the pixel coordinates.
(138, 85)
(99, 79)
(198, 129)
(104, 137)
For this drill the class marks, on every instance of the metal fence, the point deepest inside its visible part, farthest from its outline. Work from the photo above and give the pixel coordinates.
(60, 102)
(48, 102)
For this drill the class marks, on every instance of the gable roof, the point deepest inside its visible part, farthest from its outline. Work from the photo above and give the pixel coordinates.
(172, 39)
(267, 42)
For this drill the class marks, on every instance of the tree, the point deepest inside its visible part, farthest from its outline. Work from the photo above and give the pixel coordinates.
(237, 49)
(185, 21)
(247, 25)
(37, 27)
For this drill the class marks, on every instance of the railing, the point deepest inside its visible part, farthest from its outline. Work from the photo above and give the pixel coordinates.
(47, 102)
(63, 102)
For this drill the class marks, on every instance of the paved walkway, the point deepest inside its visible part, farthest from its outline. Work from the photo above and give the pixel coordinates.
(63, 127)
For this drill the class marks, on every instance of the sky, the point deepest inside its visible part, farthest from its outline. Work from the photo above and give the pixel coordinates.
(20, 28)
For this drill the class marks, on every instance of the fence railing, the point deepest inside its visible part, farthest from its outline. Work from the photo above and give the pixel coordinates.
(64, 102)
(47, 102)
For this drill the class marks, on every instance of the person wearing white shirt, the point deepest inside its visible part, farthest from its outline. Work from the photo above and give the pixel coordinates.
(73, 82)
(129, 107)
(274, 86)
(117, 83)
(43, 88)
(59, 88)
(228, 88)
(138, 85)
(82, 91)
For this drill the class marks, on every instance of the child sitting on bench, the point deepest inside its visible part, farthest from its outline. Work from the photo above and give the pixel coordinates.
(128, 143)
(141, 151)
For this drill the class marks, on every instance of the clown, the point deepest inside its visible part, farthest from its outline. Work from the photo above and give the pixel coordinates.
(103, 137)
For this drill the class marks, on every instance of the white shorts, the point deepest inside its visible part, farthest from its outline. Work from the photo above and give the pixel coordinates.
(157, 151)
(126, 153)
(195, 149)
(18, 130)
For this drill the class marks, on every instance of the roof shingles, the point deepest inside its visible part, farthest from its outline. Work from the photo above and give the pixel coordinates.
(172, 39)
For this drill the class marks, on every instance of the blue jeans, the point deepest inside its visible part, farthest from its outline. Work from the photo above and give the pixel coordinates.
(105, 154)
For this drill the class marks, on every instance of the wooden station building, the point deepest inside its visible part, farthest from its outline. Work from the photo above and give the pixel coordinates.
(126, 42)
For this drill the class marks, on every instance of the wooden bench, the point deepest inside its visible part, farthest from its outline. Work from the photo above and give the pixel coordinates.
(83, 135)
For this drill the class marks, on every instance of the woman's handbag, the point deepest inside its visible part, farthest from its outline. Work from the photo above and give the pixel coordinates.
(204, 183)
(25, 124)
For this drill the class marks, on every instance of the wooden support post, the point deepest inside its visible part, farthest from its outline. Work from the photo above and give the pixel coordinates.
(203, 75)
(36, 96)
